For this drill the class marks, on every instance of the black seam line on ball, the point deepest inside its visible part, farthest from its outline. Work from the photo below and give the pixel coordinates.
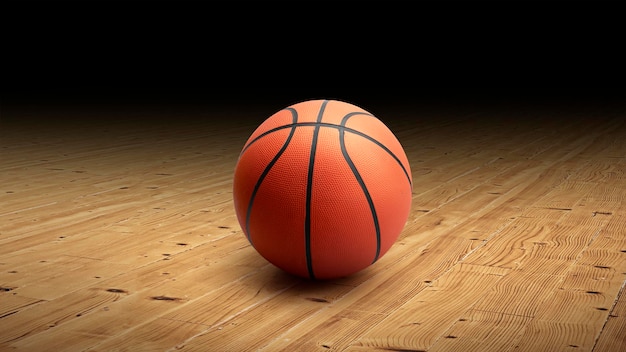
(331, 125)
(309, 191)
(294, 116)
(361, 182)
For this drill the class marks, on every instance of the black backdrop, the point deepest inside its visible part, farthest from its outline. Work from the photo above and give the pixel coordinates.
(243, 53)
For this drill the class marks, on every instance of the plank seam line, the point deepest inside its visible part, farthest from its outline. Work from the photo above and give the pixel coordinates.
(230, 317)
(619, 295)
(29, 208)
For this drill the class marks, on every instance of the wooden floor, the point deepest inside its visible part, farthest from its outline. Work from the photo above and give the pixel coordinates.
(121, 236)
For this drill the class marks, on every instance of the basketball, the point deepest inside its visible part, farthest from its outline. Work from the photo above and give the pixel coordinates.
(322, 189)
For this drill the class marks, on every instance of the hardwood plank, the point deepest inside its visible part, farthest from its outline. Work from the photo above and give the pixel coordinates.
(89, 210)
(138, 298)
(576, 314)
(52, 277)
(285, 310)
(142, 310)
(39, 318)
(479, 330)
(162, 333)
(612, 337)
(142, 282)
(419, 322)
(153, 336)
(10, 304)
(341, 321)
(572, 320)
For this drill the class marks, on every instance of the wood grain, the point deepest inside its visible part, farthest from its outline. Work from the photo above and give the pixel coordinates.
(121, 236)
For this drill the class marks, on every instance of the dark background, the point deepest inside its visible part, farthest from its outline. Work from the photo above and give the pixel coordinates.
(159, 54)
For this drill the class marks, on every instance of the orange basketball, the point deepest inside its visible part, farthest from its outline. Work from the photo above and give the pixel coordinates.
(322, 189)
